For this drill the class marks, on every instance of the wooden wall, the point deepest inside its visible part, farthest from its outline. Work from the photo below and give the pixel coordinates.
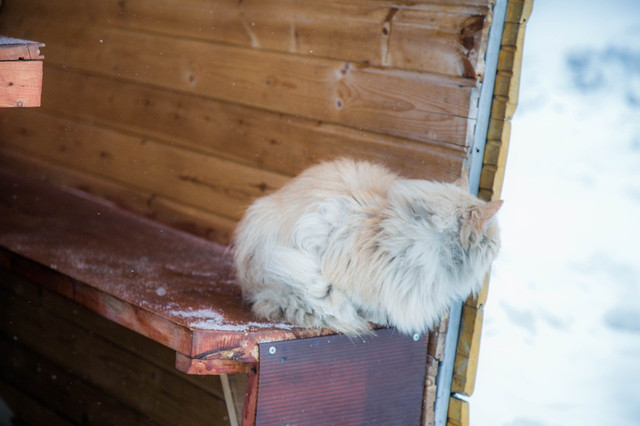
(63, 364)
(185, 111)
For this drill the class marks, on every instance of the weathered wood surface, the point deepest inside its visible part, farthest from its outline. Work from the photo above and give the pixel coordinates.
(282, 144)
(392, 82)
(20, 84)
(143, 203)
(173, 288)
(416, 105)
(145, 349)
(234, 386)
(13, 49)
(458, 412)
(88, 369)
(494, 163)
(425, 36)
(183, 175)
(20, 73)
(505, 98)
(39, 379)
(342, 380)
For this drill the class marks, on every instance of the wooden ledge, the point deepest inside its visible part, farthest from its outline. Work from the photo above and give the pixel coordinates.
(20, 72)
(14, 49)
(169, 286)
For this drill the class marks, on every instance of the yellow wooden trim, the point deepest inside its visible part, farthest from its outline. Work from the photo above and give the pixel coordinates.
(466, 363)
(458, 412)
(491, 179)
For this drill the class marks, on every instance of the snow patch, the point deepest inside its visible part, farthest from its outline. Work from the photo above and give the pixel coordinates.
(208, 319)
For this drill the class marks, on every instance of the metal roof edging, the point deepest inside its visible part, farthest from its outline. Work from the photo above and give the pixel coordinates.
(445, 370)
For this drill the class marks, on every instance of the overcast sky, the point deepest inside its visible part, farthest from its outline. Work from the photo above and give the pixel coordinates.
(561, 336)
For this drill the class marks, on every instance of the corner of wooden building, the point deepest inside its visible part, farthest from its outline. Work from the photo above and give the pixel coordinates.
(504, 104)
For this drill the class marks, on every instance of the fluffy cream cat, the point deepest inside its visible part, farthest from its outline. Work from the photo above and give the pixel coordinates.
(347, 243)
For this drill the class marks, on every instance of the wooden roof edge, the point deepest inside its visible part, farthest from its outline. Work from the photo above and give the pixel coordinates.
(505, 97)
(14, 49)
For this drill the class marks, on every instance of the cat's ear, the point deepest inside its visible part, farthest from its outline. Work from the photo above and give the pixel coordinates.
(475, 220)
(480, 215)
(462, 182)
(491, 208)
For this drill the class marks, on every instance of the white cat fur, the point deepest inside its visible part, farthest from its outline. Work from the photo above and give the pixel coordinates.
(347, 243)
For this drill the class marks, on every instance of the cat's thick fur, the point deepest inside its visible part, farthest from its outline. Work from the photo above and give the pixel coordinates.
(347, 243)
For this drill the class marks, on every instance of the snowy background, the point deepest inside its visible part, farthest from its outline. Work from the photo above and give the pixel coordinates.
(561, 336)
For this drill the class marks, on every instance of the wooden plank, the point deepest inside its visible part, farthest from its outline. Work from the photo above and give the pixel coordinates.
(458, 414)
(209, 365)
(506, 98)
(433, 38)
(251, 396)
(341, 380)
(491, 181)
(428, 410)
(404, 103)
(144, 348)
(234, 386)
(519, 11)
(156, 394)
(168, 286)
(61, 392)
(153, 206)
(20, 83)
(443, 5)
(185, 176)
(481, 299)
(13, 49)
(283, 144)
(437, 338)
(26, 410)
(435, 354)
(466, 363)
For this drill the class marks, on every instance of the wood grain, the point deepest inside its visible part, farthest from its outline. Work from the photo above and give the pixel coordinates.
(143, 203)
(60, 391)
(491, 179)
(405, 103)
(430, 388)
(234, 386)
(145, 349)
(458, 414)
(259, 138)
(185, 176)
(161, 396)
(466, 362)
(209, 366)
(424, 37)
(168, 286)
(506, 98)
(13, 49)
(20, 83)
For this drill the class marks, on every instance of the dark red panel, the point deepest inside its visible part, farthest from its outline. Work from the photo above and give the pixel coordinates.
(336, 380)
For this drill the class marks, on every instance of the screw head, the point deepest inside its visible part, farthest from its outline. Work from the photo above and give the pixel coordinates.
(416, 337)
(272, 350)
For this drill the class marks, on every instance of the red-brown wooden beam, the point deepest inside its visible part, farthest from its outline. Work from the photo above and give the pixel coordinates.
(20, 73)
